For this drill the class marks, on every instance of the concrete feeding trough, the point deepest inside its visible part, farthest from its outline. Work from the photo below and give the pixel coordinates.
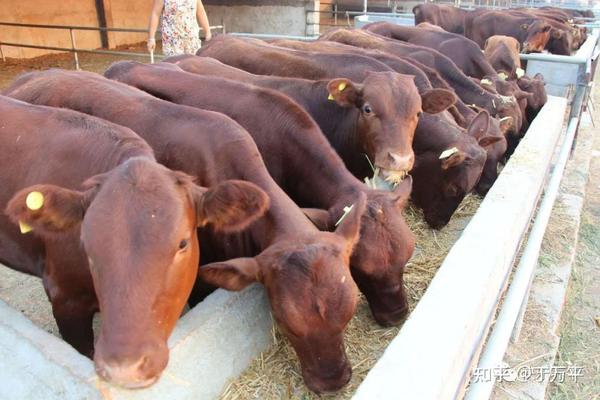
(211, 343)
(567, 76)
(398, 19)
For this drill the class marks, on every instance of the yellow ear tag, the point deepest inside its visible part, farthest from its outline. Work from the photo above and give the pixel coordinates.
(330, 97)
(502, 76)
(342, 86)
(34, 200)
(486, 82)
(448, 153)
(25, 228)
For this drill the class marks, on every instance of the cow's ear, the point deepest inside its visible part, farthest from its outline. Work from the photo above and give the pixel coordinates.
(520, 95)
(557, 34)
(319, 217)
(234, 274)
(230, 206)
(524, 26)
(348, 224)
(505, 124)
(539, 77)
(487, 141)
(479, 125)
(344, 92)
(454, 159)
(402, 192)
(434, 101)
(48, 208)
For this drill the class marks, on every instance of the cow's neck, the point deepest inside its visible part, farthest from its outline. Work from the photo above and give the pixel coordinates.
(340, 126)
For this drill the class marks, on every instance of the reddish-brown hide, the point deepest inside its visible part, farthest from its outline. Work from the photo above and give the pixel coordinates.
(502, 52)
(384, 106)
(307, 94)
(136, 223)
(450, 18)
(306, 272)
(532, 33)
(464, 52)
(303, 163)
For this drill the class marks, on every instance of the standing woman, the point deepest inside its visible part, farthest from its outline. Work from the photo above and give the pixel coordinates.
(180, 31)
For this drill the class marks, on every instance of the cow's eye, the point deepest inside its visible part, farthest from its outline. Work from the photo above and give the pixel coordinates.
(367, 108)
(184, 244)
(419, 114)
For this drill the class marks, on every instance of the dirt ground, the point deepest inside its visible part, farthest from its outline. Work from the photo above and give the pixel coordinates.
(88, 62)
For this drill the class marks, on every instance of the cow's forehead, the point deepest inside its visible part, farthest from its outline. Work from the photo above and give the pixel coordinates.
(138, 199)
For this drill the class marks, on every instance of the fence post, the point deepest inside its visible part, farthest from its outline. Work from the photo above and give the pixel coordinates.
(73, 46)
(335, 10)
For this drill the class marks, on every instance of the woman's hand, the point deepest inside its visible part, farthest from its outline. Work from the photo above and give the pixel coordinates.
(151, 44)
(208, 36)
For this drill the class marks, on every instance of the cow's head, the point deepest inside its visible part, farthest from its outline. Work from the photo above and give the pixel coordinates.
(388, 106)
(560, 42)
(311, 291)
(536, 87)
(138, 228)
(386, 244)
(536, 36)
(444, 175)
(490, 134)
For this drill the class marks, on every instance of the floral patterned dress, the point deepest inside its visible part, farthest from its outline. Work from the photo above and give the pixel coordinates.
(180, 30)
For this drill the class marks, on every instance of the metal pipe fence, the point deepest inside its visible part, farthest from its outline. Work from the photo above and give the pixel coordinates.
(74, 49)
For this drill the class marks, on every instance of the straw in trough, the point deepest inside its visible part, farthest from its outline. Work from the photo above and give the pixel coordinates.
(276, 374)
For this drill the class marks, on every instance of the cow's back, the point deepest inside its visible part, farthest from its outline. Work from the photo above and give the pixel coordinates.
(265, 59)
(447, 17)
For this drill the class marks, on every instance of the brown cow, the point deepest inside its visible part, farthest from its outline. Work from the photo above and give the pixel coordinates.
(452, 163)
(112, 231)
(467, 90)
(562, 38)
(385, 106)
(535, 86)
(531, 32)
(302, 162)
(308, 94)
(311, 96)
(305, 272)
(502, 52)
(495, 150)
(465, 53)
(447, 17)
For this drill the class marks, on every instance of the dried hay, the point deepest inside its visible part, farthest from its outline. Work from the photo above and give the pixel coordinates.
(276, 374)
